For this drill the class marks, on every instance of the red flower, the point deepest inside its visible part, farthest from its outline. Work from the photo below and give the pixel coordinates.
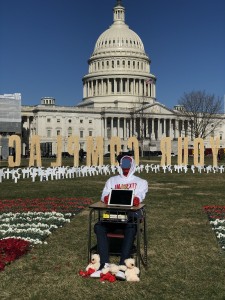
(45, 204)
(11, 249)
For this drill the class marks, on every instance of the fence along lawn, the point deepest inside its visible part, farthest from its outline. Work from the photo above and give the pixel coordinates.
(185, 261)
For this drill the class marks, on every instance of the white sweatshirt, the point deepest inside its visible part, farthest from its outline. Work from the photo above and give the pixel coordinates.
(130, 182)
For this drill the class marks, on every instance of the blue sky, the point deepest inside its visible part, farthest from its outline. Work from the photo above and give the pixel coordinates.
(45, 45)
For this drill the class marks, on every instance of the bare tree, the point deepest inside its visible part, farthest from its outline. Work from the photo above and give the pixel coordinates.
(139, 116)
(202, 111)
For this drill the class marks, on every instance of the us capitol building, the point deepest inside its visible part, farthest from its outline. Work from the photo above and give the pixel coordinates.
(119, 99)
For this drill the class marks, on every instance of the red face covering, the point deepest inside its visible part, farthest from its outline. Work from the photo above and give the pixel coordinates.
(126, 171)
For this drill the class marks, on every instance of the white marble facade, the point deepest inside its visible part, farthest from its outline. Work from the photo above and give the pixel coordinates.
(119, 82)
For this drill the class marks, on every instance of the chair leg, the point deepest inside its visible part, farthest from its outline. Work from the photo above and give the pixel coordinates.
(143, 245)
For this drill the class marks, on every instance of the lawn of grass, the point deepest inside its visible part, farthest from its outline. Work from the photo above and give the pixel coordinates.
(185, 261)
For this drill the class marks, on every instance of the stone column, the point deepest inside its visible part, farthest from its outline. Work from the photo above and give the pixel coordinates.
(130, 129)
(182, 130)
(134, 127)
(92, 88)
(175, 128)
(124, 128)
(118, 127)
(133, 87)
(102, 87)
(105, 127)
(164, 127)
(153, 91)
(149, 89)
(170, 128)
(127, 85)
(147, 128)
(159, 129)
(111, 126)
(89, 88)
(153, 130)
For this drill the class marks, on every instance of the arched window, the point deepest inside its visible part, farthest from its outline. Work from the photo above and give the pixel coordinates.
(70, 131)
(49, 132)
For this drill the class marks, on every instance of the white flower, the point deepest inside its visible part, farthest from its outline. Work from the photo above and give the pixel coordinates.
(32, 226)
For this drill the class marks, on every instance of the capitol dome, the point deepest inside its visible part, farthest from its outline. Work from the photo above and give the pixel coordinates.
(119, 36)
(119, 68)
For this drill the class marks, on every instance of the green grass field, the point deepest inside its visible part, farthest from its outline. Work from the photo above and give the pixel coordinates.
(185, 261)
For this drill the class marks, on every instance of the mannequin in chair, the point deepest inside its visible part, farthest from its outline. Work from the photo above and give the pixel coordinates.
(125, 180)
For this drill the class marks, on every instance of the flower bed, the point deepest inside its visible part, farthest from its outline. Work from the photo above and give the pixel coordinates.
(216, 216)
(11, 249)
(25, 222)
(49, 204)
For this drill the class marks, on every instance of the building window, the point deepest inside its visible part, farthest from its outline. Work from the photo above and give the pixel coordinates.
(58, 120)
(58, 132)
(90, 133)
(48, 120)
(69, 121)
(90, 121)
(81, 134)
(69, 131)
(81, 121)
(49, 133)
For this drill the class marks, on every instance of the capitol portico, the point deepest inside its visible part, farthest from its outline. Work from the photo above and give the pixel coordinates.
(119, 99)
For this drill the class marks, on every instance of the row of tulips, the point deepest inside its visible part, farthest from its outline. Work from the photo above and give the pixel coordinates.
(216, 216)
(27, 222)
